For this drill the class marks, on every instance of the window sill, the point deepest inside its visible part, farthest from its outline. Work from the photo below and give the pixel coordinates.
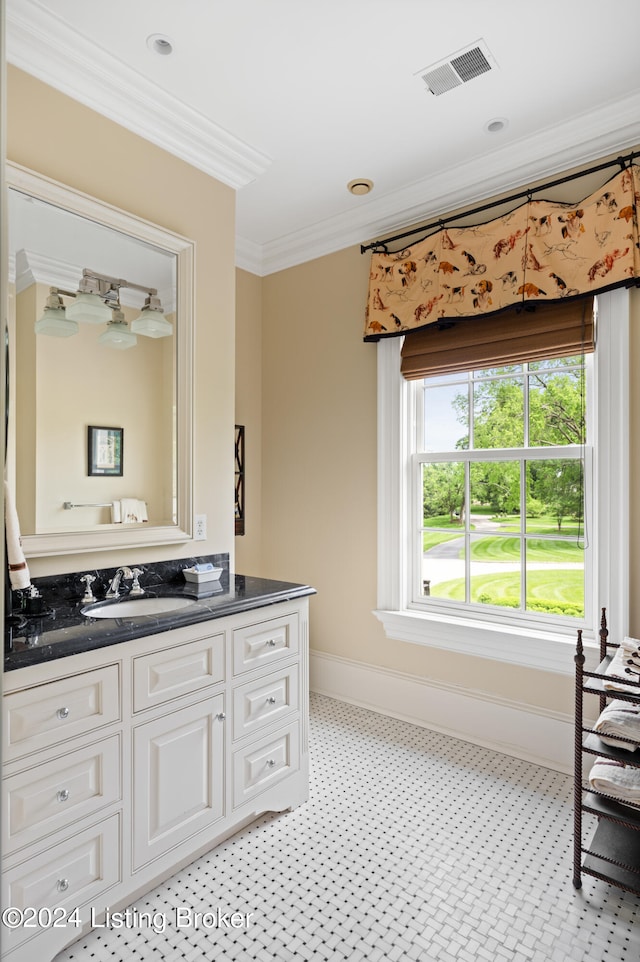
(530, 648)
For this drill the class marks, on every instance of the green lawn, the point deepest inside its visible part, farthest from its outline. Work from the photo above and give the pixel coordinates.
(508, 549)
(543, 525)
(431, 538)
(443, 521)
(555, 592)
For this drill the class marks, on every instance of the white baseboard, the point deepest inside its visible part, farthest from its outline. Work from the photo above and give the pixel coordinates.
(534, 734)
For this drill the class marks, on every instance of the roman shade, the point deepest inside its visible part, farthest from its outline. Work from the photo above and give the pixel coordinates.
(541, 253)
(512, 337)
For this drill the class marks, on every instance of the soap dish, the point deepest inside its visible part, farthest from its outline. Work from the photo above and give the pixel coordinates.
(199, 577)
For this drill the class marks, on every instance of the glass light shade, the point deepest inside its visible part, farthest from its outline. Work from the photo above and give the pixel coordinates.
(89, 308)
(118, 336)
(152, 323)
(55, 323)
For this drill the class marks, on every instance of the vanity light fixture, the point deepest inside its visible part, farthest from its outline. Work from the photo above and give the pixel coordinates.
(54, 320)
(151, 321)
(117, 334)
(97, 301)
(89, 304)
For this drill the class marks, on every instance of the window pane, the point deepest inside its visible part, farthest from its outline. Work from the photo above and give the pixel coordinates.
(495, 571)
(555, 577)
(556, 406)
(555, 497)
(443, 494)
(443, 569)
(443, 488)
(495, 494)
(498, 413)
(446, 417)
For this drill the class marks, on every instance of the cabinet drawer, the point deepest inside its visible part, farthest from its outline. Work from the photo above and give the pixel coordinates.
(264, 643)
(259, 766)
(70, 874)
(42, 800)
(45, 715)
(262, 702)
(164, 675)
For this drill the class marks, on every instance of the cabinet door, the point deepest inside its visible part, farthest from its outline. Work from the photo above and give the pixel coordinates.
(178, 777)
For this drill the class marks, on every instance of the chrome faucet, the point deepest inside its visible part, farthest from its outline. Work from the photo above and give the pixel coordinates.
(113, 590)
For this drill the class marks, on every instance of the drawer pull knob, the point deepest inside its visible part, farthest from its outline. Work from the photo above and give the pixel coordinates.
(63, 795)
(62, 712)
(62, 884)
(271, 700)
(221, 716)
(271, 643)
(271, 762)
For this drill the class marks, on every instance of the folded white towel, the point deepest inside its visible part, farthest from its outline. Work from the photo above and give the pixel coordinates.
(617, 780)
(631, 661)
(19, 576)
(133, 511)
(618, 672)
(631, 646)
(116, 513)
(619, 718)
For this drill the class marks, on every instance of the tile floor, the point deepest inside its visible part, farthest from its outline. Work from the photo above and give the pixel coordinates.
(413, 846)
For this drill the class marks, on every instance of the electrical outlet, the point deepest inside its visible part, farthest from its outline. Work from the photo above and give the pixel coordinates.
(200, 526)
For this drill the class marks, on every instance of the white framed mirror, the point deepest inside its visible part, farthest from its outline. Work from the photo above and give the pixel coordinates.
(99, 438)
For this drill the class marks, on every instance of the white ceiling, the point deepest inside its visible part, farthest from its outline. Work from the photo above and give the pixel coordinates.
(288, 100)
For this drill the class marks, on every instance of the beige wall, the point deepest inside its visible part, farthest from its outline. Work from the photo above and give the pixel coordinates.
(319, 478)
(58, 137)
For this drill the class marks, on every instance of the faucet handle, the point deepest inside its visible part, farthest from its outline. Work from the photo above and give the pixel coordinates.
(88, 595)
(136, 587)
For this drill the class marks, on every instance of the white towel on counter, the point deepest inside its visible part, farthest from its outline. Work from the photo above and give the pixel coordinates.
(18, 569)
(618, 672)
(619, 718)
(617, 780)
(631, 646)
(129, 511)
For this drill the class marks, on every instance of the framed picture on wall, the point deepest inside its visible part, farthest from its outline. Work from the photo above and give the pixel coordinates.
(104, 450)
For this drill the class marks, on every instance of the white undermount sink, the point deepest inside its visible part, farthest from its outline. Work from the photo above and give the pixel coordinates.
(135, 607)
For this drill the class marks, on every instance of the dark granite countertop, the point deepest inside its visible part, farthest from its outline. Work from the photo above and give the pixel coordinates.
(63, 630)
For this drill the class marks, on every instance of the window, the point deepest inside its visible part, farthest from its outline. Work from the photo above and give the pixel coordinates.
(461, 450)
(501, 489)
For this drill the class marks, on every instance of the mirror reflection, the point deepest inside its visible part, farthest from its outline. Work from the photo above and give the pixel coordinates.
(93, 374)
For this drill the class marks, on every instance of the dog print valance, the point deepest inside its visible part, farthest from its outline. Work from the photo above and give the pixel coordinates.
(542, 251)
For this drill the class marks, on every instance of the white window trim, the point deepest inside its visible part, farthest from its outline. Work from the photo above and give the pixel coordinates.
(527, 646)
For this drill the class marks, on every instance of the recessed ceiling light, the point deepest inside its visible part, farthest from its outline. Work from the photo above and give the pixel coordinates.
(360, 186)
(160, 44)
(496, 125)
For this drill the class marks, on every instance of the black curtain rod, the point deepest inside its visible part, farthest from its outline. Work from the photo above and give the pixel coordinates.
(442, 221)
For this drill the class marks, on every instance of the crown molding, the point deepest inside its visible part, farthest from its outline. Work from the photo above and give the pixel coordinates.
(51, 50)
(585, 139)
(249, 256)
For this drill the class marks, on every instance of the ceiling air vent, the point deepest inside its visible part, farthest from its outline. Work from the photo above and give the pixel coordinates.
(458, 69)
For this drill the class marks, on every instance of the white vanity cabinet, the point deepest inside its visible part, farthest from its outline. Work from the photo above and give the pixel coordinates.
(125, 763)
